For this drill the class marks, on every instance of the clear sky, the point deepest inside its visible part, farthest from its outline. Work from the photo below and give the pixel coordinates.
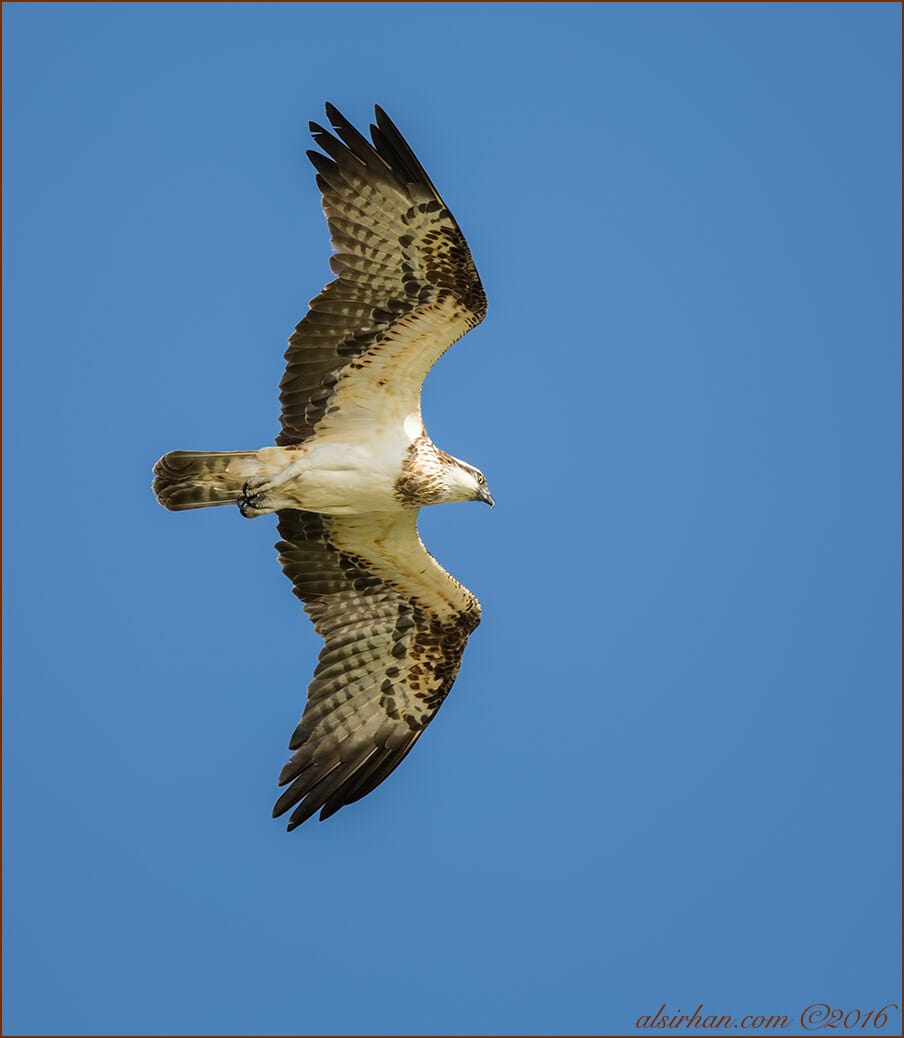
(669, 770)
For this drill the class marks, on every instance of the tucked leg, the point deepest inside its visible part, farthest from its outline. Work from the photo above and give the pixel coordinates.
(260, 494)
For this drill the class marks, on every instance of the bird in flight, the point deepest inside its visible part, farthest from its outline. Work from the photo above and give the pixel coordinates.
(353, 465)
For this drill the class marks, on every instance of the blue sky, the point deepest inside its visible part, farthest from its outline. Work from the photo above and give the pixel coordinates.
(669, 770)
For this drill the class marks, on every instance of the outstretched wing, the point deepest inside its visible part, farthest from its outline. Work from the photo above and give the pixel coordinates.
(395, 625)
(406, 287)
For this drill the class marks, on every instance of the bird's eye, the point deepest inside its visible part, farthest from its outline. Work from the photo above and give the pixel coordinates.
(480, 479)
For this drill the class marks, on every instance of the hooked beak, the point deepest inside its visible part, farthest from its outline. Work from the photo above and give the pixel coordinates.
(485, 496)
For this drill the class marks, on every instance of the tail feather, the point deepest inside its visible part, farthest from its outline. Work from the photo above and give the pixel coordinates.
(201, 479)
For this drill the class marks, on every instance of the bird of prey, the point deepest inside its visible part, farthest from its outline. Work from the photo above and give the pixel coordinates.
(353, 465)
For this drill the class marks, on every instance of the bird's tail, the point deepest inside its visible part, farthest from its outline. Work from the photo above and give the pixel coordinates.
(201, 479)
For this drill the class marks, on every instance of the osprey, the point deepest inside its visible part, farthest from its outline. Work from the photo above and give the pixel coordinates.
(353, 465)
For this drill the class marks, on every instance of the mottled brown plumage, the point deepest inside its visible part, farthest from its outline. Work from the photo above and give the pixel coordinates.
(400, 255)
(353, 465)
(394, 641)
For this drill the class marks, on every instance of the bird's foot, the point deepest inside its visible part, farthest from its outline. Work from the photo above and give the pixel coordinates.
(252, 500)
(264, 494)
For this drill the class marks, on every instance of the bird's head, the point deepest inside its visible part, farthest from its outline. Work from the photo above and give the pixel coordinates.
(465, 483)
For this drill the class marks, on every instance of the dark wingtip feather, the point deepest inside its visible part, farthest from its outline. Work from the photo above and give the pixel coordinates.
(387, 153)
(328, 811)
(392, 147)
(384, 122)
(326, 167)
(338, 121)
(354, 141)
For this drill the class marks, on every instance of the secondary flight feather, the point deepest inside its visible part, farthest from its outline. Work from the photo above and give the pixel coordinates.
(353, 465)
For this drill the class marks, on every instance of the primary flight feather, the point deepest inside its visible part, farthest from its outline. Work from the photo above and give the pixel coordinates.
(353, 465)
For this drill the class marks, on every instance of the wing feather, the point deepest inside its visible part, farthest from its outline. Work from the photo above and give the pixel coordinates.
(406, 286)
(395, 625)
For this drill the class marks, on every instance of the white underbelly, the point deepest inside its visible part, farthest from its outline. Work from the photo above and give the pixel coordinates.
(334, 478)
